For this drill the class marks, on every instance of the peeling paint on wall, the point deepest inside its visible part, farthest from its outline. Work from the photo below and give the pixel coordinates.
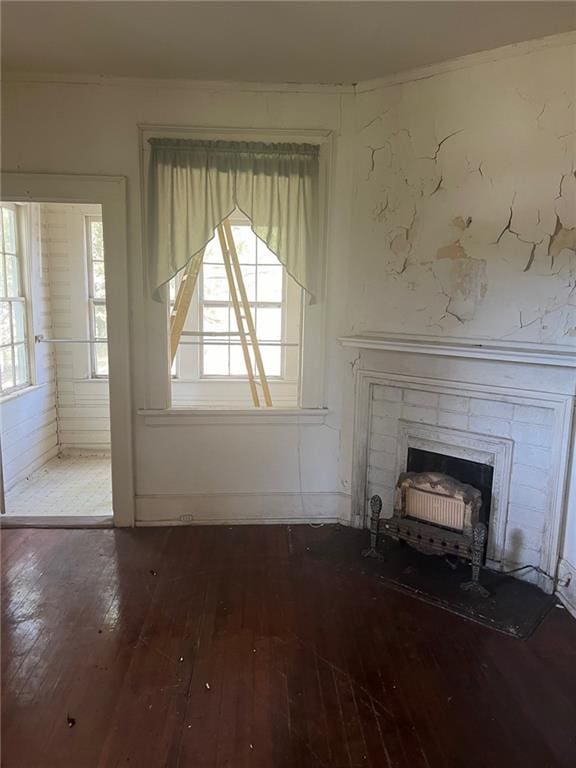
(460, 223)
(452, 251)
(465, 212)
(562, 238)
(468, 289)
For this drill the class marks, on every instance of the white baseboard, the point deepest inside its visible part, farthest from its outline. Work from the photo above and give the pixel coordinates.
(242, 508)
(84, 451)
(567, 592)
(56, 521)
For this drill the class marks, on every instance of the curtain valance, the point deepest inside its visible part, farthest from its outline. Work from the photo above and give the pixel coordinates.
(194, 185)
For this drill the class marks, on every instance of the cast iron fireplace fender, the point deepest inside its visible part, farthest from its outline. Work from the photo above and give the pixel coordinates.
(430, 539)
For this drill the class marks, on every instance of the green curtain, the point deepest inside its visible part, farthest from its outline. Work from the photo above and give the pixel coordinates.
(194, 185)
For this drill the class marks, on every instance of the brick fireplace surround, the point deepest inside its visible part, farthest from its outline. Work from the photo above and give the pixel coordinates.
(506, 405)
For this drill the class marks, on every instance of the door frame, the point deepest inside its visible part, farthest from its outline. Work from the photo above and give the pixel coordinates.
(110, 193)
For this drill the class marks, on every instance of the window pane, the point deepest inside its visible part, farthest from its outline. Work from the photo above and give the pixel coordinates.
(263, 278)
(269, 324)
(2, 282)
(12, 276)
(5, 332)
(98, 280)
(18, 321)
(232, 321)
(213, 254)
(271, 357)
(215, 283)
(270, 283)
(172, 290)
(101, 358)
(216, 360)
(249, 277)
(6, 372)
(245, 241)
(265, 255)
(21, 364)
(237, 363)
(97, 240)
(9, 225)
(215, 319)
(100, 329)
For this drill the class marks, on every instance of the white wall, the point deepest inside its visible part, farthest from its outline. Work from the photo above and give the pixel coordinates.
(28, 418)
(95, 131)
(465, 197)
(83, 403)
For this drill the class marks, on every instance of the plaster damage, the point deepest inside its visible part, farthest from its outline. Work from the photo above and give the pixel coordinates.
(465, 205)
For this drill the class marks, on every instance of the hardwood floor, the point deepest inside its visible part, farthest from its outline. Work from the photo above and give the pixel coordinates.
(210, 647)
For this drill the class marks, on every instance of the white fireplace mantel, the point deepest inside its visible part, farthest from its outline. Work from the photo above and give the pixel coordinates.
(558, 355)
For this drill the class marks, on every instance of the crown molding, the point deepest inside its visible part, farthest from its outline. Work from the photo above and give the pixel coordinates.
(42, 78)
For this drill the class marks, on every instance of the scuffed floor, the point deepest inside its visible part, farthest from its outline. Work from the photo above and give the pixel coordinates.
(245, 647)
(68, 486)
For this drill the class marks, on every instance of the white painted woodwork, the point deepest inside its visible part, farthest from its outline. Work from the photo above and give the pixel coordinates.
(83, 402)
(28, 417)
(110, 193)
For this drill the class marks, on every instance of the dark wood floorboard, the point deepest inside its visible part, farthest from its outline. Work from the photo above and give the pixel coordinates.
(210, 647)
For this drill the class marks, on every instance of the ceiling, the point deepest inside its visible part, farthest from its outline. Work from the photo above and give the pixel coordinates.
(313, 42)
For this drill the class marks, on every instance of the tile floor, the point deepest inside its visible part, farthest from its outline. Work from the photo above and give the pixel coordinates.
(67, 486)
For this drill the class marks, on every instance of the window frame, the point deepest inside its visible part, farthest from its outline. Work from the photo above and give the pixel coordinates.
(21, 253)
(92, 301)
(312, 358)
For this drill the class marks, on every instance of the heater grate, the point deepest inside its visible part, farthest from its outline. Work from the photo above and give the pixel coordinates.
(447, 511)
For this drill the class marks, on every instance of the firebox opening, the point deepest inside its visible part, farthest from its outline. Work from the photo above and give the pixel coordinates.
(472, 472)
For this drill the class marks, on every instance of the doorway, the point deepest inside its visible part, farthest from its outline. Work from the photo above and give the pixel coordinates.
(54, 398)
(66, 458)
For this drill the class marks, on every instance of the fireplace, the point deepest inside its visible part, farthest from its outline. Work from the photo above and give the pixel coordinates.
(473, 473)
(506, 410)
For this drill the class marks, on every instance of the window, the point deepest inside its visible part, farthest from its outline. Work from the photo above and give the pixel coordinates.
(275, 303)
(97, 296)
(263, 277)
(14, 344)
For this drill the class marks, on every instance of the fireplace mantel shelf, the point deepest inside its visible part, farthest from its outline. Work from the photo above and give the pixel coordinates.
(515, 352)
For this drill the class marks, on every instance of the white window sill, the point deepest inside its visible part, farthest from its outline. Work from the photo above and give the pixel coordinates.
(180, 417)
(16, 393)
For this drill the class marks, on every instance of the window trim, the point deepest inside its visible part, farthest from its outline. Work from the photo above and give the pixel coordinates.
(311, 379)
(22, 253)
(92, 302)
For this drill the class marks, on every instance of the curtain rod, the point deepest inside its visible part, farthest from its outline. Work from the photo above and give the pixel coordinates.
(235, 147)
